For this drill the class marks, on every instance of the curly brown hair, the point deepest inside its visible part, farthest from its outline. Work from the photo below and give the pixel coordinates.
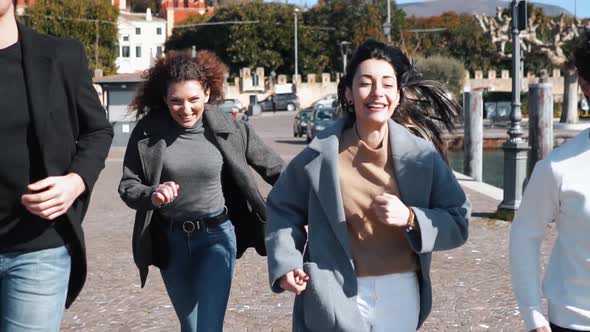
(204, 67)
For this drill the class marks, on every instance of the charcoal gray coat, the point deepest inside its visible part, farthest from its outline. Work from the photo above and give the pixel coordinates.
(241, 149)
(308, 193)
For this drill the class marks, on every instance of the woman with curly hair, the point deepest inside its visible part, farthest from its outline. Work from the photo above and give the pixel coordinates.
(187, 173)
(377, 198)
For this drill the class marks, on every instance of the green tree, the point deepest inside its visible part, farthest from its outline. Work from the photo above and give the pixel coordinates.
(93, 22)
(141, 5)
(447, 70)
(351, 20)
(460, 39)
(265, 42)
(269, 42)
(398, 17)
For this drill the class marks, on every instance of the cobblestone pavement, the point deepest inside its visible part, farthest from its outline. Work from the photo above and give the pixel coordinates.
(471, 284)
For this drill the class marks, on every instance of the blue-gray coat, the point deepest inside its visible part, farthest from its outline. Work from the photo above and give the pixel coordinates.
(308, 193)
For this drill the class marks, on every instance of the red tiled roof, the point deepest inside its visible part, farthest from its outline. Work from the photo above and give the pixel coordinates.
(182, 12)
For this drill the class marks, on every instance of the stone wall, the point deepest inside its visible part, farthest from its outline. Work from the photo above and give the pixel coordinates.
(317, 86)
(313, 89)
(503, 82)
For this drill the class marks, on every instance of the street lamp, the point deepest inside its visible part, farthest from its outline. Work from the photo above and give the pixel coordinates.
(515, 149)
(295, 42)
(344, 51)
(387, 24)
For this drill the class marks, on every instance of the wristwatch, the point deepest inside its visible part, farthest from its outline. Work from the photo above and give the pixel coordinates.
(411, 221)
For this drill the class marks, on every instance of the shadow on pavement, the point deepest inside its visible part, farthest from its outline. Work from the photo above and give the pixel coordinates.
(487, 215)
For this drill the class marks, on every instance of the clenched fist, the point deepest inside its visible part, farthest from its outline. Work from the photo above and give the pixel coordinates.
(165, 193)
(391, 211)
(294, 281)
(52, 197)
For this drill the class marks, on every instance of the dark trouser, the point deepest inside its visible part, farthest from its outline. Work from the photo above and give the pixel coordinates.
(555, 328)
(199, 274)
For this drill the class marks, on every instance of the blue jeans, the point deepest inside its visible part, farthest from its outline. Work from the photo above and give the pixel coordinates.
(33, 288)
(199, 274)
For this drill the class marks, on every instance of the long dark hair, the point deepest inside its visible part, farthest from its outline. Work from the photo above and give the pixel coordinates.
(204, 67)
(426, 107)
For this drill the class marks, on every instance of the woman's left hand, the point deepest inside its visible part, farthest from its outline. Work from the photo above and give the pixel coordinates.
(390, 210)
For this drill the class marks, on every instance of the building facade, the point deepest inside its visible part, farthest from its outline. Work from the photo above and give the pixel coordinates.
(141, 39)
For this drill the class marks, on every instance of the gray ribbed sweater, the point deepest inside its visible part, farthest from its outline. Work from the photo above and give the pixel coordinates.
(195, 164)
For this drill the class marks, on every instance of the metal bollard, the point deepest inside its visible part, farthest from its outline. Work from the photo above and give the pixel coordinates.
(540, 123)
(473, 131)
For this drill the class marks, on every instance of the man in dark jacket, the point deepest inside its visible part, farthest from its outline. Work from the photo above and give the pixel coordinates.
(55, 138)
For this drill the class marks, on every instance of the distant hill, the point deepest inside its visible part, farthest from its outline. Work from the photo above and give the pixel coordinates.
(486, 7)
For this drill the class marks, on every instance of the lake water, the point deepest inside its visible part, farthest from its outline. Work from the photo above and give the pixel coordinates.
(493, 165)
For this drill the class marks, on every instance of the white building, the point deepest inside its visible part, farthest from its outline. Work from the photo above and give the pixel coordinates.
(141, 40)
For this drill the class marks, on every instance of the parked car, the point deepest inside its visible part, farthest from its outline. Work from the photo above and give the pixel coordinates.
(300, 122)
(233, 106)
(321, 119)
(281, 101)
(326, 101)
(236, 102)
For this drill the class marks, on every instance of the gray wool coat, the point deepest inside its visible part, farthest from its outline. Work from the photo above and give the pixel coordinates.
(308, 193)
(242, 150)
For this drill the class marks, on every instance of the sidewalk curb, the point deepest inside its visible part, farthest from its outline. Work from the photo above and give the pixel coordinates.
(488, 190)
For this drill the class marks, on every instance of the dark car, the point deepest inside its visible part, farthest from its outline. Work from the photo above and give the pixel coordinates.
(321, 119)
(300, 122)
(280, 102)
(232, 106)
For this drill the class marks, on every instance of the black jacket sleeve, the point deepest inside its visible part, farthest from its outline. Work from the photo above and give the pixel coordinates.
(95, 133)
(133, 188)
(264, 160)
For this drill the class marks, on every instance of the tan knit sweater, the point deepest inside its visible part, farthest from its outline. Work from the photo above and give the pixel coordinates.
(377, 249)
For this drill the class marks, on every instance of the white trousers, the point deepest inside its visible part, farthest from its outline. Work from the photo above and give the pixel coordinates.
(390, 303)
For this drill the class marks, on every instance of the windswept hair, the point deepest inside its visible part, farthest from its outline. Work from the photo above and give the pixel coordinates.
(582, 56)
(425, 107)
(204, 67)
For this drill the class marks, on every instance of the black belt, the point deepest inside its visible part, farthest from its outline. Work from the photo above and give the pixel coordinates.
(189, 226)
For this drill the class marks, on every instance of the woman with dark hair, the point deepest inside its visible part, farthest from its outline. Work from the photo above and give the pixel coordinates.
(377, 198)
(187, 173)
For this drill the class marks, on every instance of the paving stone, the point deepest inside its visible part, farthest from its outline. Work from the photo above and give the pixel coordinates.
(471, 284)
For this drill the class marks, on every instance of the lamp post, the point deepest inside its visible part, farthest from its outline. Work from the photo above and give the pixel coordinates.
(295, 42)
(344, 51)
(515, 149)
(387, 24)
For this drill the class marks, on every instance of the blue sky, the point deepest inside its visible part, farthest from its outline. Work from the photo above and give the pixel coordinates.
(582, 6)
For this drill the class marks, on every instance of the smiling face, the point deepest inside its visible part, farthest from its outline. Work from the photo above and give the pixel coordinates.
(186, 102)
(374, 93)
